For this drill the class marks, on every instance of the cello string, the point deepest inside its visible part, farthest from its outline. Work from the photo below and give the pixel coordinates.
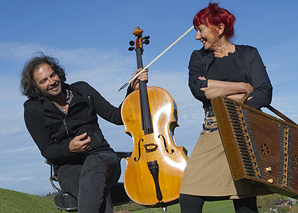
(147, 141)
(155, 59)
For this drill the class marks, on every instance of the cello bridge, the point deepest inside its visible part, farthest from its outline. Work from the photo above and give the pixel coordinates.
(150, 147)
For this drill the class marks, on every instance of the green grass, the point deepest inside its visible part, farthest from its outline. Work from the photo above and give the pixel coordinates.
(214, 207)
(18, 202)
(225, 206)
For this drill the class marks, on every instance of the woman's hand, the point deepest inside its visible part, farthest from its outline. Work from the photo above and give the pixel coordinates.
(239, 97)
(248, 87)
(142, 77)
(233, 90)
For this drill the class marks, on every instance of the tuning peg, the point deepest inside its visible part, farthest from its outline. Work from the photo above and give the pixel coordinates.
(146, 42)
(131, 43)
(131, 48)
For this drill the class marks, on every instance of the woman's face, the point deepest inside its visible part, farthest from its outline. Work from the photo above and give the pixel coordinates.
(207, 37)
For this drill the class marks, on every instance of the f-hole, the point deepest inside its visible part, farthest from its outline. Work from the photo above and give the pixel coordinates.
(139, 150)
(165, 144)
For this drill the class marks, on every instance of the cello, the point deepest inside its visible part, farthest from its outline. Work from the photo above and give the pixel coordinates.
(155, 168)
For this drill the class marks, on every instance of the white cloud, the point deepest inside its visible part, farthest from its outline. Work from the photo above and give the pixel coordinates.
(19, 150)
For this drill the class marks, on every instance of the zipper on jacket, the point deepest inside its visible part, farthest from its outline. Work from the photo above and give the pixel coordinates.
(66, 129)
(64, 119)
(89, 106)
(97, 137)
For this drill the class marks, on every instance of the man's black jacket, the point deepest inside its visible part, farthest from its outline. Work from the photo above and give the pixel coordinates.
(52, 130)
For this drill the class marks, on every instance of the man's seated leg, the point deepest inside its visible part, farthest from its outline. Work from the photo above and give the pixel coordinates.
(99, 171)
(69, 177)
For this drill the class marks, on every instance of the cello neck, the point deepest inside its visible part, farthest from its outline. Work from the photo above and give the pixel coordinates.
(145, 109)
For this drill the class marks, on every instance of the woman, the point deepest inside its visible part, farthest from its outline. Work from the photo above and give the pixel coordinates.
(220, 68)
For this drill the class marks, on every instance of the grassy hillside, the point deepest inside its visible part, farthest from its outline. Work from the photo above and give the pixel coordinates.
(17, 202)
(214, 207)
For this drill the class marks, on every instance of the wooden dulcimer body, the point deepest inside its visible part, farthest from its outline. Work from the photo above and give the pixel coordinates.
(260, 148)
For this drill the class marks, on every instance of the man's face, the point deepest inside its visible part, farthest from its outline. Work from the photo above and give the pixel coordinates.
(47, 81)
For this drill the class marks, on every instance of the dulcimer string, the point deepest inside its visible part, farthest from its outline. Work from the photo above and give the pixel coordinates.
(155, 59)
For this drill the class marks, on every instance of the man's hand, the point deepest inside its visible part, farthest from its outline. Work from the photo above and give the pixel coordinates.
(142, 77)
(79, 144)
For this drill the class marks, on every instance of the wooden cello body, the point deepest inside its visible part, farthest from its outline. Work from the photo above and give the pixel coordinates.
(154, 171)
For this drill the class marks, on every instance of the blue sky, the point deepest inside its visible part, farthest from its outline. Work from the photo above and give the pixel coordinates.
(90, 39)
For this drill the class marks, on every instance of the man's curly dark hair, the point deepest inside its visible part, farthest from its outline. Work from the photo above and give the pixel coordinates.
(28, 84)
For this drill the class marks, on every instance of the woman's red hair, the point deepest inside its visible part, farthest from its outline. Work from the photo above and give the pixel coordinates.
(213, 15)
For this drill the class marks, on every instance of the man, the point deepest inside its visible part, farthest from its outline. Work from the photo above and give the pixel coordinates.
(62, 120)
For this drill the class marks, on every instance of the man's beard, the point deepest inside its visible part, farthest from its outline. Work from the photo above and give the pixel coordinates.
(49, 94)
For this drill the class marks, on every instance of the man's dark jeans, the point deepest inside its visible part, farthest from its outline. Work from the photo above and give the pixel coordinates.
(89, 181)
